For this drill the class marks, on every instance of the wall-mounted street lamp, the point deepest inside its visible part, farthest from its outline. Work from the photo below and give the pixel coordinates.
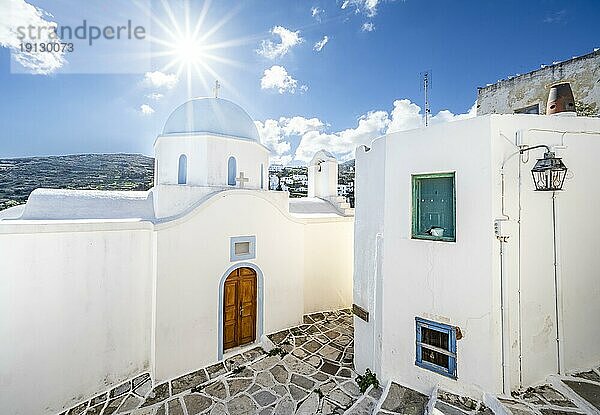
(549, 172)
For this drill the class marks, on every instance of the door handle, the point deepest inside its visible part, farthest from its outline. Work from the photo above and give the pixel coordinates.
(241, 309)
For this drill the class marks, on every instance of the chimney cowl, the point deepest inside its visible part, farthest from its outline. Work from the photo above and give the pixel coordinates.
(560, 99)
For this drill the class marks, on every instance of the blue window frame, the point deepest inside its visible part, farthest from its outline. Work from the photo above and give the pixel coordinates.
(231, 171)
(242, 248)
(182, 170)
(436, 347)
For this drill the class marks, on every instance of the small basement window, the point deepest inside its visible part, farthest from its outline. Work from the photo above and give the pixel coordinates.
(434, 207)
(242, 247)
(436, 347)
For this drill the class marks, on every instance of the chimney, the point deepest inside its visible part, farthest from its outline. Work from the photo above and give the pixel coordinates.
(560, 99)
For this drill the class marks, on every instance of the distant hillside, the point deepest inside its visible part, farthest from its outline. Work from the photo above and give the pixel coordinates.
(19, 177)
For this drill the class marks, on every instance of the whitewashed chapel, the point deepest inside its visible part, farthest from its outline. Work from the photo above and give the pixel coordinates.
(100, 286)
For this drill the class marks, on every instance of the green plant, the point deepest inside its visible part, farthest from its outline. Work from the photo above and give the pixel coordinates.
(198, 388)
(366, 380)
(586, 110)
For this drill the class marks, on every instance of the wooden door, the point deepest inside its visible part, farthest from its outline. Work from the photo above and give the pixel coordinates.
(239, 308)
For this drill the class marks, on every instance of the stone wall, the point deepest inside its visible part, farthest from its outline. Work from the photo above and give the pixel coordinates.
(519, 92)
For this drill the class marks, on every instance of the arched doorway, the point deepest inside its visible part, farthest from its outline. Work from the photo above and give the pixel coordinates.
(239, 308)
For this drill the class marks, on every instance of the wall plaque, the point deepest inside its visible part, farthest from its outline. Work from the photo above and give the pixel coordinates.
(360, 312)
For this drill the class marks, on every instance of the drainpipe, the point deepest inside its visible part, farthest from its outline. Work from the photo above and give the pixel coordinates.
(504, 303)
(557, 288)
(376, 318)
(504, 322)
(504, 317)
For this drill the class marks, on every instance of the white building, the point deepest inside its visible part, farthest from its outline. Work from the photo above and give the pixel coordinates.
(342, 189)
(472, 280)
(273, 182)
(276, 168)
(100, 286)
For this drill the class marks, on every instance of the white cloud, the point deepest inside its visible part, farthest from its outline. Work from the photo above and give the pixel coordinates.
(146, 109)
(287, 40)
(321, 44)
(283, 160)
(367, 27)
(158, 79)
(368, 7)
(300, 125)
(277, 134)
(18, 14)
(343, 143)
(272, 136)
(406, 115)
(276, 77)
(317, 13)
(156, 96)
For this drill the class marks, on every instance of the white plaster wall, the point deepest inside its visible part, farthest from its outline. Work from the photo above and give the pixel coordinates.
(369, 207)
(75, 311)
(447, 282)
(578, 283)
(207, 158)
(459, 283)
(193, 257)
(328, 256)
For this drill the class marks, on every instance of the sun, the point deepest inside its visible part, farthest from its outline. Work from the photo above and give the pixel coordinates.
(188, 50)
(184, 45)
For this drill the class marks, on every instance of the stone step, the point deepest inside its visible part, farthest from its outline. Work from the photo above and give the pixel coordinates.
(573, 394)
(398, 399)
(448, 403)
(366, 404)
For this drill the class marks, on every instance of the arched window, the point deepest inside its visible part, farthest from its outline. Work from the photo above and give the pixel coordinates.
(262, 176)
(231, 171)
(182, 172)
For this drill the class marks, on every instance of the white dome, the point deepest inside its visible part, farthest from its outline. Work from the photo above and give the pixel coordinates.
(213, 116)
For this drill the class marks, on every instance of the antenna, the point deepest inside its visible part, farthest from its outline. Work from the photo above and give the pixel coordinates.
(426, 80)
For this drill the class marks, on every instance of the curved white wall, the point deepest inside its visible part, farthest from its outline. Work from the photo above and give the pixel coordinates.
(207, 157)
(193, 255)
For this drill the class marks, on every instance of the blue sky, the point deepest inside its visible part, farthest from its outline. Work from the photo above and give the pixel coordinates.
(361, 84)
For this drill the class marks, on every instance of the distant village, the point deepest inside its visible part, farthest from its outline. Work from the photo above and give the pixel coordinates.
(294, 179)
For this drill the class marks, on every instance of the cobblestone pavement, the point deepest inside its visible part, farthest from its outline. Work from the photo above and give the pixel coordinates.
(566, 395)
(310, 371)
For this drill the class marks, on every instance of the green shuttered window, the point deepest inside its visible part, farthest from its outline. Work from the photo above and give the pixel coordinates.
(434, 207)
